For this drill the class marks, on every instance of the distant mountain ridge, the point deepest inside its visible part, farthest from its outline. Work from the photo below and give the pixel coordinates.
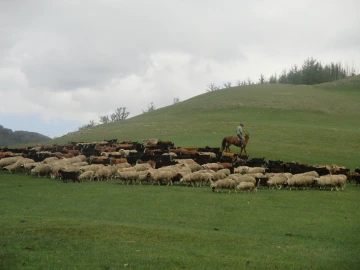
(9, 137)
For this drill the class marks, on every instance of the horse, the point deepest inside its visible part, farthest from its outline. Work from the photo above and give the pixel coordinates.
(229, 140)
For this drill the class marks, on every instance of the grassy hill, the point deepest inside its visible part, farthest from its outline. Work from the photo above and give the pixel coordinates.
(310, 124)
(9, 137)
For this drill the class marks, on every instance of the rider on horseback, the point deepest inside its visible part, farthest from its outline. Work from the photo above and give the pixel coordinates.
(240, 135)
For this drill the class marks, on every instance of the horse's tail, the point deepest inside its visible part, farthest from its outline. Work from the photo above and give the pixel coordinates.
(223, 144)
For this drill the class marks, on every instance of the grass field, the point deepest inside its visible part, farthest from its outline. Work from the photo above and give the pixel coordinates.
(47, 224)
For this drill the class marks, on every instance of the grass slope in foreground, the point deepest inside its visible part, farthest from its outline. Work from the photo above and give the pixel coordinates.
(309, 124)
(46, 224)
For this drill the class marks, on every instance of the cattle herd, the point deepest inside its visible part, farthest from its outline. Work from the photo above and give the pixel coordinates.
(156, 161)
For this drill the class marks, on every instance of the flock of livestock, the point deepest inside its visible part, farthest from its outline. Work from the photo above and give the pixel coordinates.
(160, 162)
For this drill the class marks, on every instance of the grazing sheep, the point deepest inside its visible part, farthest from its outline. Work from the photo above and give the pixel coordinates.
(130, 169)
(212, 155)
(190, 163)
(128, 176)
(277, 180)
(49, 160)
(103, 174)
(219, 175)
(225, 171)
(42, 170)
(206, 177)
(126, 153)
(241, 169)
(142, 167)
(18, 164)
(123, 165)
(238, 178)
(247, 186)
(212, 166)
(192, 178)
(311, 173)
(299, 180)
(88, 175)
(92, 167)
(159, 177)
(333, 181)
(8, 161)
(224, 183)
(27, 167)
(256, 170)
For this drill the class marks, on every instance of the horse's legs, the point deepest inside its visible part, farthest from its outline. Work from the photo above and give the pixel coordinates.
(227, 148)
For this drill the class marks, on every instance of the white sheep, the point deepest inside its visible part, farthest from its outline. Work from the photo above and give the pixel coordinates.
(299, 180)
(18, 165)
(27, 167)
(49, 160)
(225, 171)
(123, 165)
(192, 178)
(333, 181)
(103, 174)
(128, 176)
(247, 186)
(238, 178)
(88, 175)
(224, 183)
(92, 167)
(256, 170)
(219, 175)
(142, 167)
(311, 173)
(278, 180)
(241, 169)
(212, 166)
(159, 177)
(8, 161)
(42, 170)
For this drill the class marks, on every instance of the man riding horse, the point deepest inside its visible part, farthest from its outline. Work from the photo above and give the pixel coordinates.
(240, 134)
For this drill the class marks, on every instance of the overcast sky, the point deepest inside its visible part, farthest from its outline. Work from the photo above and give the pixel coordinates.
(66, 62)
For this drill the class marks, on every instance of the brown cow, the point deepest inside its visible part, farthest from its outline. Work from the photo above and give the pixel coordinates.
(5, 154)
(74, 152)
(118, 160)
(98, 160)
(68, 155)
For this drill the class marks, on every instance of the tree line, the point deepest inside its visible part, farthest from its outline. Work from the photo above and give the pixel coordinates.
(311, 72)
(120, 114)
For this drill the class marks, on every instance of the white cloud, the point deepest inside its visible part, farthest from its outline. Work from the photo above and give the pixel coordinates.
(72, 61)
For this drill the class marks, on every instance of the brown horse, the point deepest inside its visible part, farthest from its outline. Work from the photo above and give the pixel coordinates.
(229, 140)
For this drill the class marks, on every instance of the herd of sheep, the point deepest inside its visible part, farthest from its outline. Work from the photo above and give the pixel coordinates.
(185, 172)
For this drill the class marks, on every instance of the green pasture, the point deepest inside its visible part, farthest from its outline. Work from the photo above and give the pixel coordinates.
(317, 124)
(47, 224)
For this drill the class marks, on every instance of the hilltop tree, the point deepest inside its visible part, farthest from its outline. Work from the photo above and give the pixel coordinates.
(227, 85)
(104, 119)
(176, 100)
(151, 107)
(119, 114)
(273, 79)
(212, 87)
(262, 79)
(89, 125)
